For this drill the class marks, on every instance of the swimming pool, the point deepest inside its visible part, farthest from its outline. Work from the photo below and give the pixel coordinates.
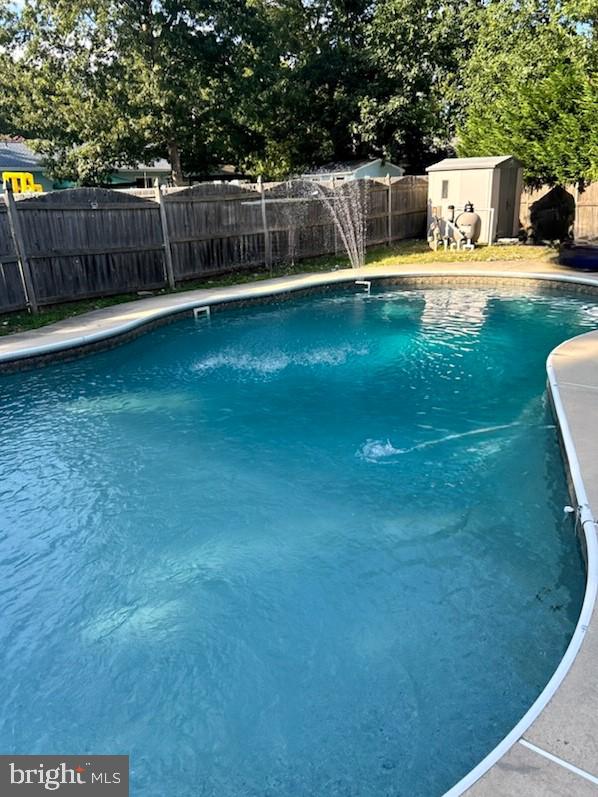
(315, 547)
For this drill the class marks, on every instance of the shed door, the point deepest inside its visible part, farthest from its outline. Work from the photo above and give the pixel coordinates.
(506, 203)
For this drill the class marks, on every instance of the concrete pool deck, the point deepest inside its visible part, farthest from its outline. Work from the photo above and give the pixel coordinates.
(554, 749)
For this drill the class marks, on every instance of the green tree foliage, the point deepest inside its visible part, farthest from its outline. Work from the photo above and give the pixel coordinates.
(303, 87)
(7, 35)
(103, 83)
(416, 49)
(342, 79)
(275, 86)
(532, 89)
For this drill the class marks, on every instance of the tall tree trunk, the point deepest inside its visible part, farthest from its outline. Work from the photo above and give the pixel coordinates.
(175, 163)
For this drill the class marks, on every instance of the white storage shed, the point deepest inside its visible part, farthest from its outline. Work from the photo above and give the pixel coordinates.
(492, 185)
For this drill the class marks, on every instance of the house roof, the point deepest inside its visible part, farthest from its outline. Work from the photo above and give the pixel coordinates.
(452, 164)
(225, 171)
(160, 165)
(17, 156)
(344, 167)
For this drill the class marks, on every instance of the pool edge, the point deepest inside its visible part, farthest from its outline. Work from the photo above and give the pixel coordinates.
(540, 707)
(101, 329)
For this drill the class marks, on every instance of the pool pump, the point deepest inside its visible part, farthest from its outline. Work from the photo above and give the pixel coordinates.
(455, 232)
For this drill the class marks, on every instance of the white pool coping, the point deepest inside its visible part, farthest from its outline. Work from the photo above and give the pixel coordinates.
(119, 320)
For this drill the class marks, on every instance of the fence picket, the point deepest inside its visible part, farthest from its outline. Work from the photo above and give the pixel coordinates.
(19, 244)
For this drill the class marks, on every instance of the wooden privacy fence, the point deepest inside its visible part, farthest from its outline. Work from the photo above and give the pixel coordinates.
(78, 243)
(586, 214)
(584, 206)
(86, 242)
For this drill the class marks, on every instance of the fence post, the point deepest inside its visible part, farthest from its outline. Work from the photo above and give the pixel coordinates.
(389, 220)
(19, 243)
(576, 224)
(267, 242)
(165, 237)
(334, 198)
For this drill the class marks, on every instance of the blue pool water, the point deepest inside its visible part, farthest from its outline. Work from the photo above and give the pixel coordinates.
(309, 548)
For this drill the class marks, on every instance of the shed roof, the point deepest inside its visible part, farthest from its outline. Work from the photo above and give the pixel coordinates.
(456, 164)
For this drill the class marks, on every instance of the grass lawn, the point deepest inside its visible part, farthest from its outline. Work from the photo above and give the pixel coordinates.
(404, 253)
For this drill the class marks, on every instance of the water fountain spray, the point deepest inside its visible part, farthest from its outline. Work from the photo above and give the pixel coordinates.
(345, 205)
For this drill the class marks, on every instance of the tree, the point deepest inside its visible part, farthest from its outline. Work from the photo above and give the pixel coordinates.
(416, 49)
(299, 94)
(106, 83)
(7, 33)
(532, 89)
(339, 79)
(275, 86)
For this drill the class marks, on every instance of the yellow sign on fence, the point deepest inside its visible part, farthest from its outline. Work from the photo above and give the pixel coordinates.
(22, 182)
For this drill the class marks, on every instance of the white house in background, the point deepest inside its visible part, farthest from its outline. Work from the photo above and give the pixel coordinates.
(355, 170)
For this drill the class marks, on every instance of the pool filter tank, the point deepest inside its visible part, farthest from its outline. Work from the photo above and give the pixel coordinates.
(455, 232)
(469, 224)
